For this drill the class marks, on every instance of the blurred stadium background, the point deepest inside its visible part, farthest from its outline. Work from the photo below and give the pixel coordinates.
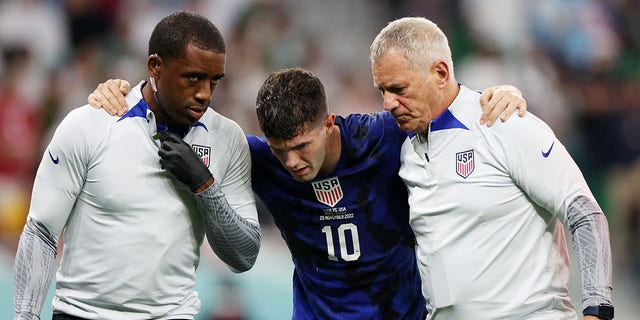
(576, 61)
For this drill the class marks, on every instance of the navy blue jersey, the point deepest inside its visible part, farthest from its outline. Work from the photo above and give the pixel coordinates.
(348, 231)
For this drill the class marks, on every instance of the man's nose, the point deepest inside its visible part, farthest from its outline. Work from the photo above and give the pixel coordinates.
(205, 90)
(389, 101)
(291, 159)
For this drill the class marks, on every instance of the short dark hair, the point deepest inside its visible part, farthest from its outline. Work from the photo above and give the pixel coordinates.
(289, 102)
(174, 32)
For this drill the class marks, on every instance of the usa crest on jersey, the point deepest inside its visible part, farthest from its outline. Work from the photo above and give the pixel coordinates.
(204, 152)
(328, 191)
(465, 163)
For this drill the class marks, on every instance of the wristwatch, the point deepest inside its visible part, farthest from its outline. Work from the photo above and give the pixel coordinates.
(602, 311)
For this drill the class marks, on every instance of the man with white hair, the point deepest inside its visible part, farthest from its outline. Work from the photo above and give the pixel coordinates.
(486, 205)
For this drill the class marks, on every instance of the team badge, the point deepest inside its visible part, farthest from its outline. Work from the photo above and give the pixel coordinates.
(204, 152)
(465, 163)
(328, 191)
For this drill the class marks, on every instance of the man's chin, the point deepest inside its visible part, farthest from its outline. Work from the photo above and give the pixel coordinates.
(188, 122)
(407, 127)
(303, 176)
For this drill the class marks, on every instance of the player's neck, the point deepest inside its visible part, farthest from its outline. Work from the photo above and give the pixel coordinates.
(334, 149)
(152, 102)
(147, 95)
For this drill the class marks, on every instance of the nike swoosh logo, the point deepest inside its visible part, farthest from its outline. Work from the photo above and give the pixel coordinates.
(546, 154)
(56, 160)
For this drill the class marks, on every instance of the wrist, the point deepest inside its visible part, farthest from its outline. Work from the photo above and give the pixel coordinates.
(601, 311)
(205, 185)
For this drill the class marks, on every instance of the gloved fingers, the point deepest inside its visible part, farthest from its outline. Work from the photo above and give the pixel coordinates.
(167, 153)
(163, 163)
(167, 145)
(168, 136)
(172, 142)
(169, 163)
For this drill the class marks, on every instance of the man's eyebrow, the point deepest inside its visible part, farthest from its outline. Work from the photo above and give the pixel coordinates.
(200, 74)
(294, 147)
(300, 145)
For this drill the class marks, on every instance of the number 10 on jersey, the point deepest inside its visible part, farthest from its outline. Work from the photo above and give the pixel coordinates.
(343, 231)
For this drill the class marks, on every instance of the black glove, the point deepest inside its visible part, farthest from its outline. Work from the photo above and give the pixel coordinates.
(177, 157)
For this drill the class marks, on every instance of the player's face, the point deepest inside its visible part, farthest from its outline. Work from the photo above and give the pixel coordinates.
(304, 155)
(409, 95)
(186, 85)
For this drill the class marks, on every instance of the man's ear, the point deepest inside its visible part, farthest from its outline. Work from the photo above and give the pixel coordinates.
(441, 72)
(154, 63)
(329, 120)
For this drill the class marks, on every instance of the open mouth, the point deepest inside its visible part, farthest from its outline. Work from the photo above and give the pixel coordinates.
(300, 172)
(195, 112)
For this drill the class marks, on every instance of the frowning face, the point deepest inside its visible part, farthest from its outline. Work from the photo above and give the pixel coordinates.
(307, 154)
(409, 95)
(186, 84)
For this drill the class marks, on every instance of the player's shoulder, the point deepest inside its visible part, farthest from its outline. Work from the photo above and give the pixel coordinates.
(259, 149)
(466, 105)
(468, 109)
(371, 126)
(256, 142)
(528, 124)
(91, 117)
(218, 124)
(84, 125)
(382, 118)
(517, 132)
(87, 116)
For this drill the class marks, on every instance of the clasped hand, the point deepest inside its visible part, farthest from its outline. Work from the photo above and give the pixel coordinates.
(177, 157)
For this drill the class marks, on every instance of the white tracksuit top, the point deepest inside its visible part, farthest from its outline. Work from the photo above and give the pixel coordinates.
(133, 236)
(487, 209)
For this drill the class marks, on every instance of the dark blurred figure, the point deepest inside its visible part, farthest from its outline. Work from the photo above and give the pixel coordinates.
(90, 20)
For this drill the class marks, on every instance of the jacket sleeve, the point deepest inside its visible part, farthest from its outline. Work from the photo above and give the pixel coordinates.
(236, 240)
(545, 170)
(33, 269)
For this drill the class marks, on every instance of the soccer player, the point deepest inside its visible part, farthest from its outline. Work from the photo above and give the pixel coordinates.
(136, 195)
(331, 184)
(487, 205)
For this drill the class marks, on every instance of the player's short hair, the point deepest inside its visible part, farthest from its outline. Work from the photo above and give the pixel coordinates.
(175, 32)
(289, 102)
(418, 39)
